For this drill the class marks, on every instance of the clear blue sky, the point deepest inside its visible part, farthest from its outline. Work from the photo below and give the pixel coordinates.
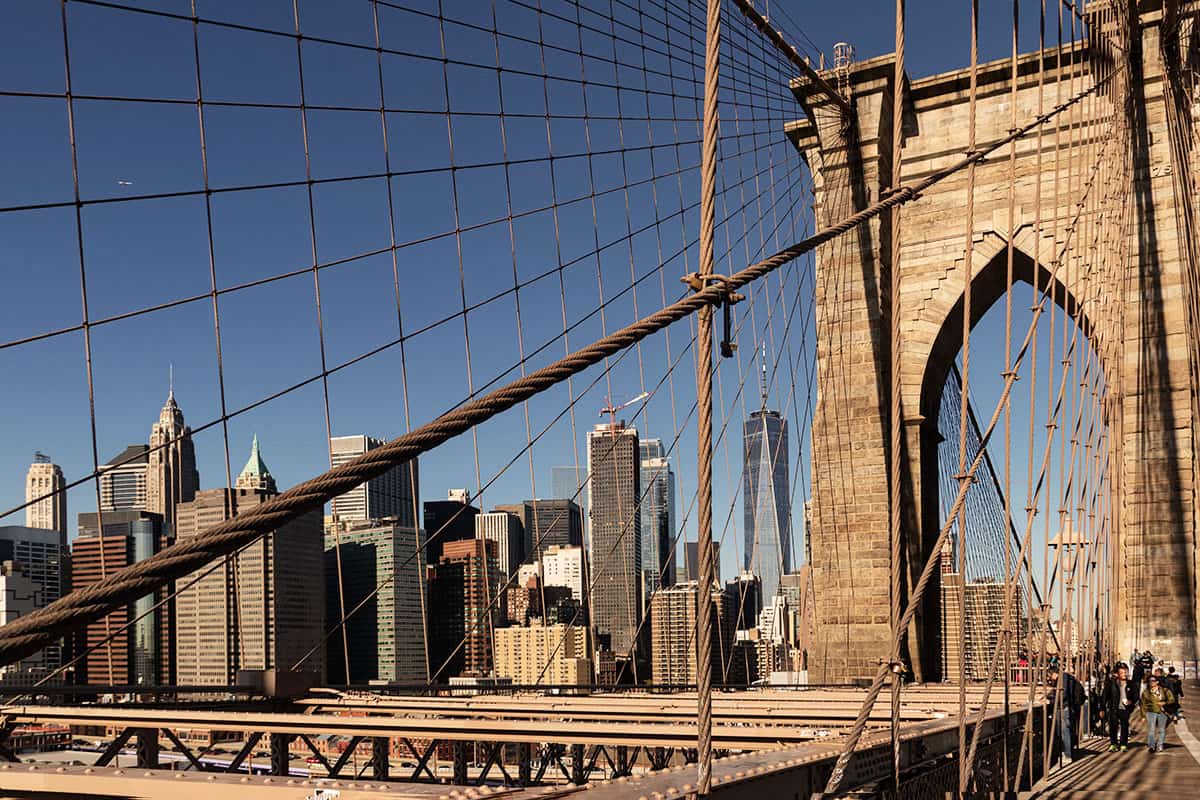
(143, 253)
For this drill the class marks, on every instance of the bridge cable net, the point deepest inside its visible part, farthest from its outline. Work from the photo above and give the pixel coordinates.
(546, 158)
(762, 194)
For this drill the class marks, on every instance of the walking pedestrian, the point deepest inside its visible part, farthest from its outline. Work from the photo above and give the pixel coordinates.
(1153, 705)
(1120, 694)
(1175, 684)
(1068, 712)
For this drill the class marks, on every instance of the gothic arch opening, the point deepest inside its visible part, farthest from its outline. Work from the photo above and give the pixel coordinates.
(939, 443)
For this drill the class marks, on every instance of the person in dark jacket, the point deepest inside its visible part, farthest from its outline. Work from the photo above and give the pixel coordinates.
(1068, 715)
(1120, 698)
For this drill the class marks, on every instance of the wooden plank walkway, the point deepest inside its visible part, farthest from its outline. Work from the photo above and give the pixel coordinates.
(1136, 773)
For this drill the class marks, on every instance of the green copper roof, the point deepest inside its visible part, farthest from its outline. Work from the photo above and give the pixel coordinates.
(255, 467)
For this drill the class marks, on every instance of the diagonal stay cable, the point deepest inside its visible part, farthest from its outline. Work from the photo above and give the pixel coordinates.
(27, 635)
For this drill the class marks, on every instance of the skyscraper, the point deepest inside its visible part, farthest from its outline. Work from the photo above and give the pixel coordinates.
(19, 597)
(616, 553)
(563, 566)
(507, 532)
(658, 516)
(548, 523)
(46, 478)
(390, 495)
(143, 653)
(765, 497)
(386, 635)
(171, 476)
(673, 622)
(445, 521)
(261, 609)
(123, 480)
(570, 483)
(44, 559)
(691, 558)
(255, 477)
(462, 615)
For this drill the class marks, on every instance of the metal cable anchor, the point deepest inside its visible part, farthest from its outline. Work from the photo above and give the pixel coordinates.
(699, 283)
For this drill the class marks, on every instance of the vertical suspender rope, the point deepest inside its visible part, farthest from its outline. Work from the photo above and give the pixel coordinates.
(895, 421)
(704, 370)
(968, 256)
(1006, 622)
(1027, 737)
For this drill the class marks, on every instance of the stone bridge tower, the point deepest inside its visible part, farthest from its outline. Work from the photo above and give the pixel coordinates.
(1155, 510)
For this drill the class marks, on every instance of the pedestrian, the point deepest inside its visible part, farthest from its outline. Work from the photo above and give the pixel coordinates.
(1153, 705)
(1068, 711)
(1119, 697)
(1173, 682)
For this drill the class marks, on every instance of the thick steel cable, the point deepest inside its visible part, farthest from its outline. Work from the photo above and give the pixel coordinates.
(28, 634)
(704, 378)
(895, 421)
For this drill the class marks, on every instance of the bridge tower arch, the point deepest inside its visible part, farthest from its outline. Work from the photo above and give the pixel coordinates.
(1155, 554)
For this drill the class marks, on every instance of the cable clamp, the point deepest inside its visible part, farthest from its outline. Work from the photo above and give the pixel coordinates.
(965, 477)
(726, 301)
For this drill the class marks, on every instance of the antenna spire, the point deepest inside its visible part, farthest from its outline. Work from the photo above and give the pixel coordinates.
(763, 376)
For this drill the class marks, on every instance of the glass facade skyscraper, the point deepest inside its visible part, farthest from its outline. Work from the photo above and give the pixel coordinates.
(657, 516)
(765, 499)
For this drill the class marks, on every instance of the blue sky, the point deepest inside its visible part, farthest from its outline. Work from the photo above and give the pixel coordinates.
(138, 254)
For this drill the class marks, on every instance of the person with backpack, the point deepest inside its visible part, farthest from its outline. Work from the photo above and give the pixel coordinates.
(1153, 705)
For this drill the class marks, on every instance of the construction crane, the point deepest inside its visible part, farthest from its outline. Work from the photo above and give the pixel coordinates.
(612, 410)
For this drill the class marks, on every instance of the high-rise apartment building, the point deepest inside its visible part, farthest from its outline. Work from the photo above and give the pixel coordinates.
(673, 623)
(616, 552)
(462, 587)
(261, 609)
(449, 520)
(391, 495)
(566, 566)
(658, 517)
(546, 655)
(46, 478)
(507, 532)
(386, 635)
(766, 498)
(171, 476)
(45, 560)
(123, 480)
(143, 653)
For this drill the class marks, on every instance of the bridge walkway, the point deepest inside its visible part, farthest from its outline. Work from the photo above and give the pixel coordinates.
(1100, 775)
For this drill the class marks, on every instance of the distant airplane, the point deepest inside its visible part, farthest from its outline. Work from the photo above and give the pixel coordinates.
(124, 183)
